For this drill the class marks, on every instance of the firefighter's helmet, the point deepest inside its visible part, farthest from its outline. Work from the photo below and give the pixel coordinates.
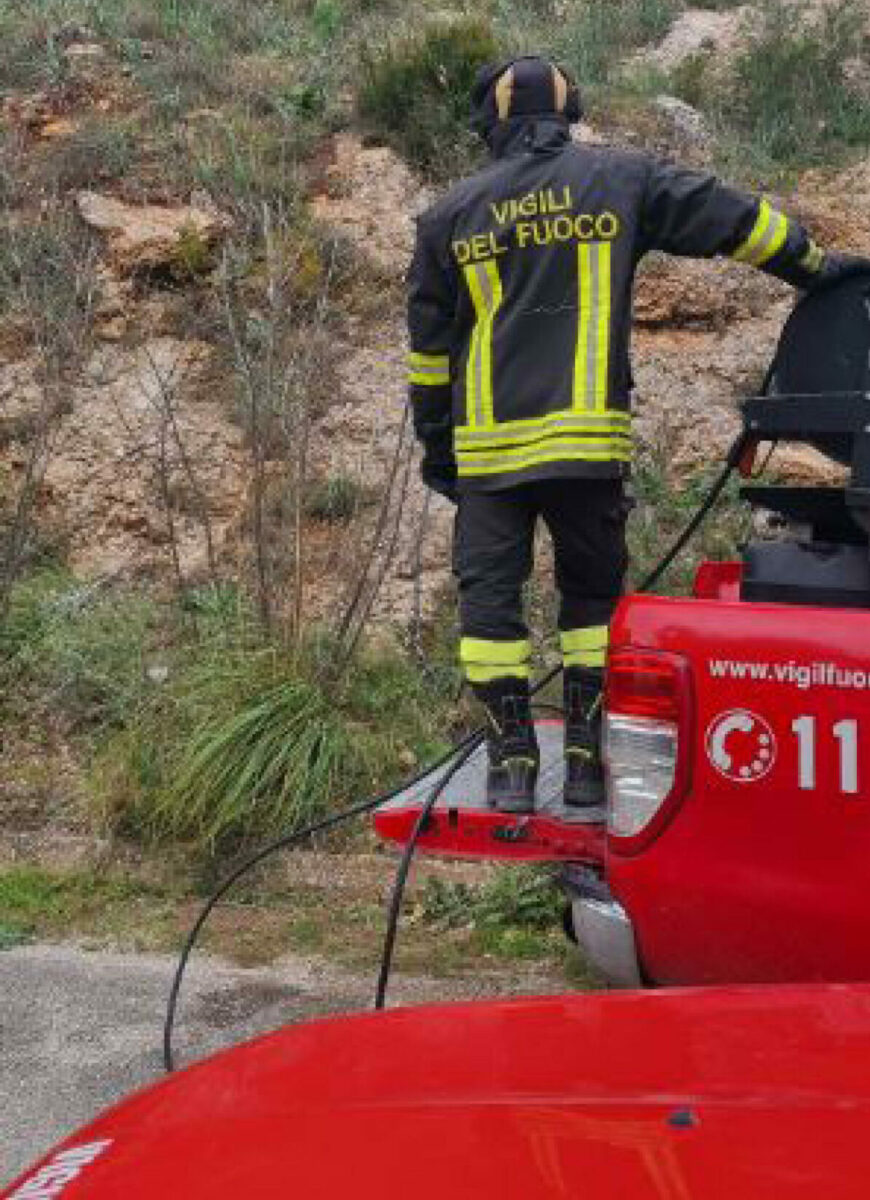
(523, 87)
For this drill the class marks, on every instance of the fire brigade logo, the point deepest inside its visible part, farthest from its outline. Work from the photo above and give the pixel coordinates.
(741, 746)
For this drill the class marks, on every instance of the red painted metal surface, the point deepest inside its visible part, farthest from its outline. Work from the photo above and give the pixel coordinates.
(762, 874)
(484, 833)
(718, 581)
(705, 1095)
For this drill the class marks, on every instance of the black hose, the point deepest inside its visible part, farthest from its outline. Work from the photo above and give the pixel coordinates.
(282, 843)
(405, 866)
(735, 454)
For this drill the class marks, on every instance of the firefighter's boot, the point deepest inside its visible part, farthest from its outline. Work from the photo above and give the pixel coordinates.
(584, 771)
(514, 757)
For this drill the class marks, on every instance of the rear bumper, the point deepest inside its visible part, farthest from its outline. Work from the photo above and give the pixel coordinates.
(603, 929)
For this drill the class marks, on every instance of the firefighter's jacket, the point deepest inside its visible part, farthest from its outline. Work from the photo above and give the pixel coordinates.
(520, 299)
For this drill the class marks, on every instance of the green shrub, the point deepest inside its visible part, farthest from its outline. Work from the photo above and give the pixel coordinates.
(46, 279)
(196, 726)
(76, 652)
(245, 162)
(30, 54)
(513, 898)
(415, 93)
(594, 43)
(665, 504)
(241, 742)
(274, 763)
(248, 747)
(689, 81)
(96, 154)
(336, 500)
(791, 98)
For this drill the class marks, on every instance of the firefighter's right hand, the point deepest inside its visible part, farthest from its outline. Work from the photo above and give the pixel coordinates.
(838, 267)
(439, 474)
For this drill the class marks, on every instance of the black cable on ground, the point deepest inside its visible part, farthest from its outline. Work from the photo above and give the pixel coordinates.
(405, 866)
(283, 843)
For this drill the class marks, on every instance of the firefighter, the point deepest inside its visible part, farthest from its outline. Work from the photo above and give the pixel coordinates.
(519, 313)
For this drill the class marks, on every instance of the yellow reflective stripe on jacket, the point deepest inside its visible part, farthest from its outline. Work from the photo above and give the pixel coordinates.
(429, 370)
(484, 286)
(592, 357)
(767, 238)
(613, 417)
(485, 661)
(526, 433)
(585, 647)
(616, 448)
(814, 259)
(416, 359)
(429, 378)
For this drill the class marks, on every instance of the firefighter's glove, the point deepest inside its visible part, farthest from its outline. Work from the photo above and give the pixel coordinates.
(839, 267)
(438, 471)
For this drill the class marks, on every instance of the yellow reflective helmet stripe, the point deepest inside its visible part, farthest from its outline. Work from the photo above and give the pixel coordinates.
(585, 647)
(504, 93)
(485, 661)
(484, 285)
(767, 238)
(592, 356)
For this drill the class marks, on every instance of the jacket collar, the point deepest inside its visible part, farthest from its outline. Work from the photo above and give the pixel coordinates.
(524, 135)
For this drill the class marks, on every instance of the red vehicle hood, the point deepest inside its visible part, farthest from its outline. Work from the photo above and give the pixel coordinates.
(745, 1093)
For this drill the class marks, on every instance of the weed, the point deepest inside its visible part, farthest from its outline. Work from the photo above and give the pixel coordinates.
(793, 95)
(665, 505)
(47, 281)
(513, 898)
(241, 741)
(245, 163)
(12, 935)
(31, 55)
(415, 93)
(81, 654)
(790, 99)
(337, 500)
(603, 32)
(273, 764)
(688, 80)
(94, 155)
(31, 898)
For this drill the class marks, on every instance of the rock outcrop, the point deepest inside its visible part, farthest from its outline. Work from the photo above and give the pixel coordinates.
(148, 237)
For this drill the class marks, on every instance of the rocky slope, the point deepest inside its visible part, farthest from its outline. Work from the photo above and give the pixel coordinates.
(150, 473)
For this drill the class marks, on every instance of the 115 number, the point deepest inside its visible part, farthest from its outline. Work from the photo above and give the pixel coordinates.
(846, 734)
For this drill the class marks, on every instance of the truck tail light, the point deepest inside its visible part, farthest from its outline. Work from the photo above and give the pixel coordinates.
(646, 745)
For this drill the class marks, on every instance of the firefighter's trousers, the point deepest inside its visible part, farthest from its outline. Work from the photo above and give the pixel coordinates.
(493, 556)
